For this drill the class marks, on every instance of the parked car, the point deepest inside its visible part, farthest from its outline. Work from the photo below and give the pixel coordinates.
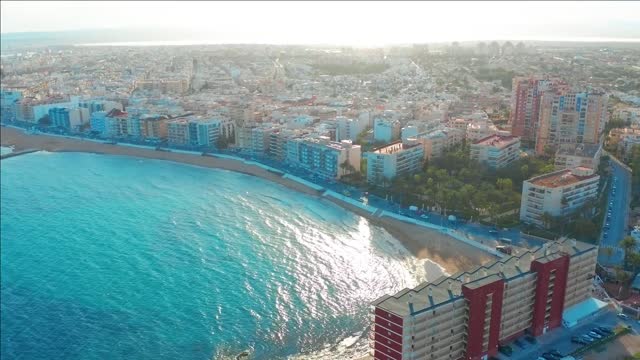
(600, 332)
(587, 338)
(594, 335)
(623, 316)
(578, 340)
(556, 353)
(605, 329)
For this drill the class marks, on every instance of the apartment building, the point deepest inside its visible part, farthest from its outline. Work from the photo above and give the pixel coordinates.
(349, 129)
(67, 118)
(437, 141)
(395, 159)
(558, 193)
(386, 130)
(496, 151)
(193, 131)
(178, 132)
(116, 124)
(570, 156)
(97, 121)
(99, 105)
(8, 104)
(625, 139)
(629, 114)
(324, 157)
(526, 95)
(469, 314)
(568, 117)
(154, 127)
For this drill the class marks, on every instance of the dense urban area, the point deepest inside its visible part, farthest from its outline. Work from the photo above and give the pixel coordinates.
(530, 151)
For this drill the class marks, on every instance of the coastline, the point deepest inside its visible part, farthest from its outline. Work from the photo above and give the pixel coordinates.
(423, 243)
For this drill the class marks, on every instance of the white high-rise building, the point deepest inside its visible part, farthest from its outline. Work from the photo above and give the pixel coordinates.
(558, 193)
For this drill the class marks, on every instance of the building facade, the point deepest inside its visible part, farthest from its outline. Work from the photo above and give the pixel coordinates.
(558, 193)
(324, 157)
(568, 117)
(386, 130)
(437, 141)
(496, 151)
(349, 129)
(70, 119)
(396, 159)
(468, 315)
(526, 95)
(570, 156)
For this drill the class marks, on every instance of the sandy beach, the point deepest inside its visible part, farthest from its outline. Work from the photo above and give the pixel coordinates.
(450, 253)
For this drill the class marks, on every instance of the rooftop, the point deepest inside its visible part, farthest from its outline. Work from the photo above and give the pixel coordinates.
(394, 147)
(584, 150)
(429, 295)
(563, 177)
(498, 141)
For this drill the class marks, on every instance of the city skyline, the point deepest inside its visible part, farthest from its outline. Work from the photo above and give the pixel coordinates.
(344, 23)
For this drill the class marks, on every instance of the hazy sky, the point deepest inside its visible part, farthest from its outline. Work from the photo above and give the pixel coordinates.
(366, 23)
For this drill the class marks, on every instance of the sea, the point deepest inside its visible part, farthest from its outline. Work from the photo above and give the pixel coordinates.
(114, 257)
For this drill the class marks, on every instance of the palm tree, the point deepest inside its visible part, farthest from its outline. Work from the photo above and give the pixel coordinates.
(634, 261)
(629, 244)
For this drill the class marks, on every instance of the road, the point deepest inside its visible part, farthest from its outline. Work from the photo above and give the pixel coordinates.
(618, 202)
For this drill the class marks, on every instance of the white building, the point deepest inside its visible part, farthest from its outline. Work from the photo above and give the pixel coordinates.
(437, 141)
(41, 110)
(480, 128)
(558, 193)
(349, 129)
(570, 156)
(630, 114)
(396, 159)
(324, 157)
(496, 151)
(386, 130)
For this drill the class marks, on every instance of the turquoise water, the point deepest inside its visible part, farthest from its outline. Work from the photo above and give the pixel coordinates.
(106, 257)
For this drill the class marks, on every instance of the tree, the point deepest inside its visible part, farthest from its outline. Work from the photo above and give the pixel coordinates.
(524, 171)
(628, 244)
(546, 219)
(504, 184)
(634, 261)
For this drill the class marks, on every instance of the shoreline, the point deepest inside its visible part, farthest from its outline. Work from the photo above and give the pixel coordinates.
(449, 253)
